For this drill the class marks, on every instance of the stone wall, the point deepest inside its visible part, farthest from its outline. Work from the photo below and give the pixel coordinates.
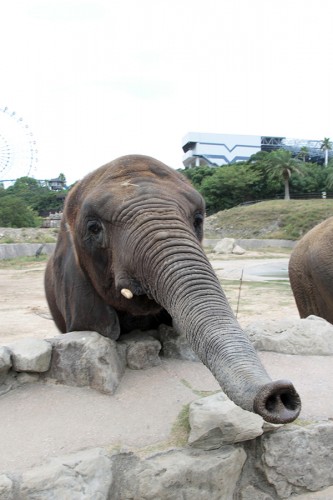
(289, 462)
(14, 250)
(231, 453)
(251, 243)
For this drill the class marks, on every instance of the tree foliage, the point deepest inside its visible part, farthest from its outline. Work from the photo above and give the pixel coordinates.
(22, 204)
(266, 175)
(280, 164)
(14, 212)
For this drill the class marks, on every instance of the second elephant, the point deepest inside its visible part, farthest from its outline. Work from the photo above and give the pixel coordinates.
(311, 272)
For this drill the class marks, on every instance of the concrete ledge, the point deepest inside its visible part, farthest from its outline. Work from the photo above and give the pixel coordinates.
(14, 250)
(253, 244)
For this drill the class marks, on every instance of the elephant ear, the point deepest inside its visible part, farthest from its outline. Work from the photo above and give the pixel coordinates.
(83, 309)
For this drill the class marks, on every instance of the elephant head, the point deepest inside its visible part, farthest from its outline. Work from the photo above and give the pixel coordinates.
(130, 245)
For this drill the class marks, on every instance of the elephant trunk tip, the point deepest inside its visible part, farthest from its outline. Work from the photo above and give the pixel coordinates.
(278, 402)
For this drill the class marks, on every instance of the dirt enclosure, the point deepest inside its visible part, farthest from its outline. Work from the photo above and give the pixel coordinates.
(56, 411)
(24, 311)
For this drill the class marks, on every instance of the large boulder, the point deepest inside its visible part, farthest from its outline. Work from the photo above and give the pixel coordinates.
(87, 359)
(228, 246)
(297, 459)
(30, 355)
(142, 350)
(175, 345)
(96, 473)
(309, 336)
(6, 488)
(183, 473)
(82, 476)
(5, 363)
(216, 421)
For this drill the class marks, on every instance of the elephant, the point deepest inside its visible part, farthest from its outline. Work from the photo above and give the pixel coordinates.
(129, 251)
(311, 272)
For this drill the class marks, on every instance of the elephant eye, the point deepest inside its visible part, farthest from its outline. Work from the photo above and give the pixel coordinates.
(198, 222)
(94, 227)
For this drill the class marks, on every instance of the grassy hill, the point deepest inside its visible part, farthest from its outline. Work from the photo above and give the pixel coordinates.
(279, 219)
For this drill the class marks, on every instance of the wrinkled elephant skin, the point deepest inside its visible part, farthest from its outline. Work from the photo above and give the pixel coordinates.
(129, 253)
(311, 272)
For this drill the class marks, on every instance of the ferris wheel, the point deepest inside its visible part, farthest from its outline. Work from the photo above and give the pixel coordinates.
(18, 151)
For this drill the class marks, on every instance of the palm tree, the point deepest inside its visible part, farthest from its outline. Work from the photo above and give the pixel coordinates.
(303, 153)
(281, 163)
(326, 145)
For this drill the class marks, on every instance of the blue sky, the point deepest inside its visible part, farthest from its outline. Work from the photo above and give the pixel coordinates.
(97, 79)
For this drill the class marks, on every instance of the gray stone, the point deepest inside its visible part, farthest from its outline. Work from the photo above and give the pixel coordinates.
(252, 493)
(86, 359)
(185, 473)
(307, 336)
(142, 350)
(216, 421)
(237, 250)
(30, 355)
(298, 460)
(326, 494)
(225, 246)
(5, 363)
(175, 345)
(6, 488)
(27, 378)
(84, 475)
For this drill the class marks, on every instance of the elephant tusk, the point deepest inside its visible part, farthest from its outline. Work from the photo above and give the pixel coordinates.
(126, 293)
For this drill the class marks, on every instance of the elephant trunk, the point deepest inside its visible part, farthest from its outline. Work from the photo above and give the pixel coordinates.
(185, 284)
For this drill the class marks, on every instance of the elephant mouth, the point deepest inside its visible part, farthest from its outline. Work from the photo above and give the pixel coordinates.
(140, 305)
(133, 298)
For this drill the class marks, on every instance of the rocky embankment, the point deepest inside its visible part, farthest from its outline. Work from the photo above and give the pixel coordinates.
(230, 453)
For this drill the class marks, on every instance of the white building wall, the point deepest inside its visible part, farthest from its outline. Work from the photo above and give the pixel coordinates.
(219, 149)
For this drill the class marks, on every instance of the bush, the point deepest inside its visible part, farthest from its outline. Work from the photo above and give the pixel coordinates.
(14, 212)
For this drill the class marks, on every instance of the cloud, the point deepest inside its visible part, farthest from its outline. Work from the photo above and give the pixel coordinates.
(97, 79)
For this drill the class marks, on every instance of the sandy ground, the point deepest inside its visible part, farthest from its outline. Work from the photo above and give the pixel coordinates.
(42, 421)
(24, 311)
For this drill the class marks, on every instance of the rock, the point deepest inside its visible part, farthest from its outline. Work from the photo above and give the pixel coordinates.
(27, 378)
(5, 363)
(237, 250)
(142, 350)
(298, 459)
(309, 336)
(252, 493)
(225, 246)
(87, 359)
(175, 345)
(326, 494)
(216, 421)
(84, 475)
(30, 355)
(176, 474)
(6, 488)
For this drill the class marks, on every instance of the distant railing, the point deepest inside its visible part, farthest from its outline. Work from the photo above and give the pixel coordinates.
(323, 195)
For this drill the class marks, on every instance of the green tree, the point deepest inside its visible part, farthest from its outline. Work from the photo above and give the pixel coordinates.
(312, 180)
(329, 176)
(326, 146)
(14, 212)
(28, 189)
(303, 153)
(197, 174)
(229, 186)
(281, 165)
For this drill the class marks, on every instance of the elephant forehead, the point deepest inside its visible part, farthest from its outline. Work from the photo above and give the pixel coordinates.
(114, 194)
